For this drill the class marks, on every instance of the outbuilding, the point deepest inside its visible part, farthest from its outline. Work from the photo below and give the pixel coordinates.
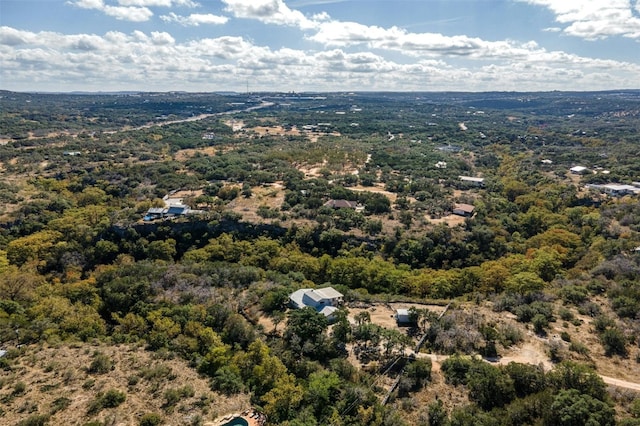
(465, 210)
(404, 317)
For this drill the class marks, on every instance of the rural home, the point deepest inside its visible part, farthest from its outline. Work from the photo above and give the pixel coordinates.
(472, 180)
(578, 170)
(167, 212)
(324, 300)
(465, 210)
(615, 189)
(344, 204)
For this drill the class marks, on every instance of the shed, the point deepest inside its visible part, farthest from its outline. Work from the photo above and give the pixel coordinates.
(404, 318)
(465, 210)
(472, 180)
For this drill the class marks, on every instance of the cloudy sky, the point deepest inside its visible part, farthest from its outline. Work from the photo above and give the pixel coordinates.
(319, 45)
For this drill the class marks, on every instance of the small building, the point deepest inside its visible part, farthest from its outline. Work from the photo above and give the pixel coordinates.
(465, 210)
(173, 210)
(154, 213)
(177, 210)
(341, 204)
(620, 190)
(616, 190)
(477, 181)
(449, 148)
(441, 165)
(404, 317)
(578, 170)
(345, 204)
(546, 161)
(329, 313)
(324, 300)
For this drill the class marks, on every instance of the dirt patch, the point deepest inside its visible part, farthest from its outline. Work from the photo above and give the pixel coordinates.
(271, 196)
(185, 154)
(236, 125)
(378, 188)
(530, 352)
(451, 220)
(383, 314)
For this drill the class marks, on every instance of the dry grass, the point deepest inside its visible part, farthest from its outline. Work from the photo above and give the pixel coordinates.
(58, 378)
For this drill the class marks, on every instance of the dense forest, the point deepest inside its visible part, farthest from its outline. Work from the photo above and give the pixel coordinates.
(544, 258)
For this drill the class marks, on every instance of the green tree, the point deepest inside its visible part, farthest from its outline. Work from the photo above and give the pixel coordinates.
(571, 375)
(571, 408)
(489, 386)
(527, 379)
(305, 329)
(282, 401)
(323, 388)
(35, 247)
(19, 284)
(614, 342)
(524, 283)
(162, 250)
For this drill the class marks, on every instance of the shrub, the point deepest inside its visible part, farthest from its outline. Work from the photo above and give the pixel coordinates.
(579, 348)
(150, 419)
(60, 404)
(509, 335)
(565, 314)
(101, 364)
(574, 294)
(455, 369)
(539, 322)
(602, 322)
(34, 420)
(19, 388)
(110, 399)
(614, 342)
(113, 397)
(173, 396)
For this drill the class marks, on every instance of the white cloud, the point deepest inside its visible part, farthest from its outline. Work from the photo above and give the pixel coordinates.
(334, 33)
(158, 3)
(123, 13)
(161, 38)
(133, 14)
(269, 12)
(129, 10)
(157, 61)
(195, 19)
(145, 3)
(14, 37)
(595, 19)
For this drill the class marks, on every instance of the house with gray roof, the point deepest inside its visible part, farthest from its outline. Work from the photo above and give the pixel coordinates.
(324, 300)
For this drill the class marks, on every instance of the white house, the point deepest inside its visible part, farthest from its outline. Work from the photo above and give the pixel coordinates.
(324, 300)
(578, 170)
(616, 189)
(472, 180)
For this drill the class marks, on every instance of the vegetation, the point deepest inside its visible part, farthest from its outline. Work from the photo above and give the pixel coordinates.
(543, 261)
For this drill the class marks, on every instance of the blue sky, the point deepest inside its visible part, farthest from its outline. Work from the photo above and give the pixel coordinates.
(319, 45)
